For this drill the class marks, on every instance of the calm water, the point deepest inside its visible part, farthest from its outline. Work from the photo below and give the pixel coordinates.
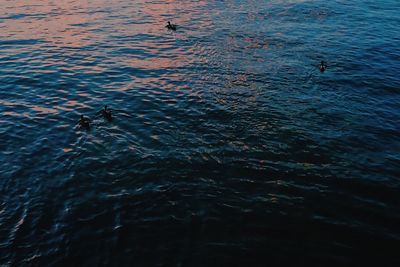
(228, 146)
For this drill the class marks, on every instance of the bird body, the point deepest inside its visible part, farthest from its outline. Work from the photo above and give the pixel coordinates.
(84, 122)
(171, 26)
(106, 113)
(322, 66)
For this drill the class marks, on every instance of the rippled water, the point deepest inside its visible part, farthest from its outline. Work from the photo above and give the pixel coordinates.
(228, 147)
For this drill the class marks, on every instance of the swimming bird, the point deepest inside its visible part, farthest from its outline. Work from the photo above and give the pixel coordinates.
(84, 122)
(106, 113)
(322, 66)
(171, 26)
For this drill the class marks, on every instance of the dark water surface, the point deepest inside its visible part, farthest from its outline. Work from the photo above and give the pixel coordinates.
(228, 146)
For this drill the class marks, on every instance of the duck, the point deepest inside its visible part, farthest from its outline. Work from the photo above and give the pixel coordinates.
(322, 66)
(171, 26)
(106, 113)
(84, 122)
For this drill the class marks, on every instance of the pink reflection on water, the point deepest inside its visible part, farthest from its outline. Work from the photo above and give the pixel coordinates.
(67, 149)
(163, 11)
(24, 105)
(16, 114)
(44, 110)
(57, 22)
(70, 25)
(73, 104)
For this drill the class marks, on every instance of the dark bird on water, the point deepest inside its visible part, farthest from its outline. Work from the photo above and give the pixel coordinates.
(171, 26)
(106, 113)
(84, 122)
(322, 66)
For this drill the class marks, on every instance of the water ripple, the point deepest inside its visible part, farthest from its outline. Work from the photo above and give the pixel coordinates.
(227, 145)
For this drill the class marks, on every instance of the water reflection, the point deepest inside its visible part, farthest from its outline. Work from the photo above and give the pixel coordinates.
(76, 24)
(56, 22)
(225, 122)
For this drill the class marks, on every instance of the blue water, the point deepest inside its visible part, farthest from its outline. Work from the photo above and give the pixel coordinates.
(228, 146)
